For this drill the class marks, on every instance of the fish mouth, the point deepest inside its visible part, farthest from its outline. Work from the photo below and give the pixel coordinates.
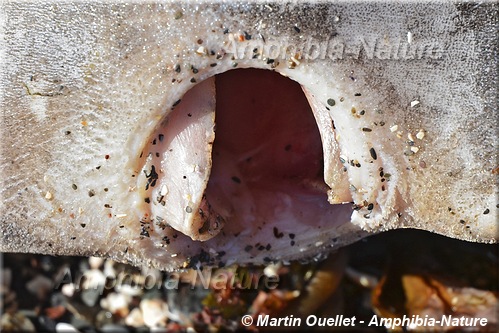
(268, 161)
(244, 162)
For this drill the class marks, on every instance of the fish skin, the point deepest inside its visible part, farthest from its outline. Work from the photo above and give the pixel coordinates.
(104, 72)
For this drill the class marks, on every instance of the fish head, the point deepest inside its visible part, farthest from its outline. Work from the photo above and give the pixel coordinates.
(187, 134)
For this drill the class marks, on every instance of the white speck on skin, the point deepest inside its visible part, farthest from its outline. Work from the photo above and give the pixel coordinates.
(201, 50)
(38, 105)
(414, 149)
(409, 37)
(48, 196)
(414, 103)
(293, 59)
(420, 135)
(164, 190)
(394, 128)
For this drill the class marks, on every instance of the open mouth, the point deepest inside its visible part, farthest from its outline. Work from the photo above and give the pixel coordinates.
(242, 154)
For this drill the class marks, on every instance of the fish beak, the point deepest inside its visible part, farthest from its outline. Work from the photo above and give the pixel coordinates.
(244, 149)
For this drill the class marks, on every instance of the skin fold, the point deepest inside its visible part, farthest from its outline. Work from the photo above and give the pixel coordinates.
(403, 95)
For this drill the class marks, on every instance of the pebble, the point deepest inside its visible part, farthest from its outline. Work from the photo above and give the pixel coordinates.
(92, 286)
(116, 303)
(68, 290)
(129, 290)
(90, 296)
(109, 269)
(155, 312)
(103, 317)
(272, 270)
(95, 262)
(93, 279)
(65, 328)
(39, 285)
(135, 318)
(15, 322)
(420, 135)
(113, 328)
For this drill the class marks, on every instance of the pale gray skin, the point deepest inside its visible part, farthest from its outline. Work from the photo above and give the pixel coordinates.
(111, 66)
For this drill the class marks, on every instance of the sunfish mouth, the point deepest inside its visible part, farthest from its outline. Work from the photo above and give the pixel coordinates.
(138, 131)
(240, 160)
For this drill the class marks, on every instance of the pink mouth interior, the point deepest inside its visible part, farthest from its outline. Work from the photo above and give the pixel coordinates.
(267, 157)
(264, 122)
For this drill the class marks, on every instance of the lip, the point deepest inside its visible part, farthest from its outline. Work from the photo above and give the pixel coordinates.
(177, 165)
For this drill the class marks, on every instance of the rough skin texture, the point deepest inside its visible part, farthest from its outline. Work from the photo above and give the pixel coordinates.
(84, 85)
